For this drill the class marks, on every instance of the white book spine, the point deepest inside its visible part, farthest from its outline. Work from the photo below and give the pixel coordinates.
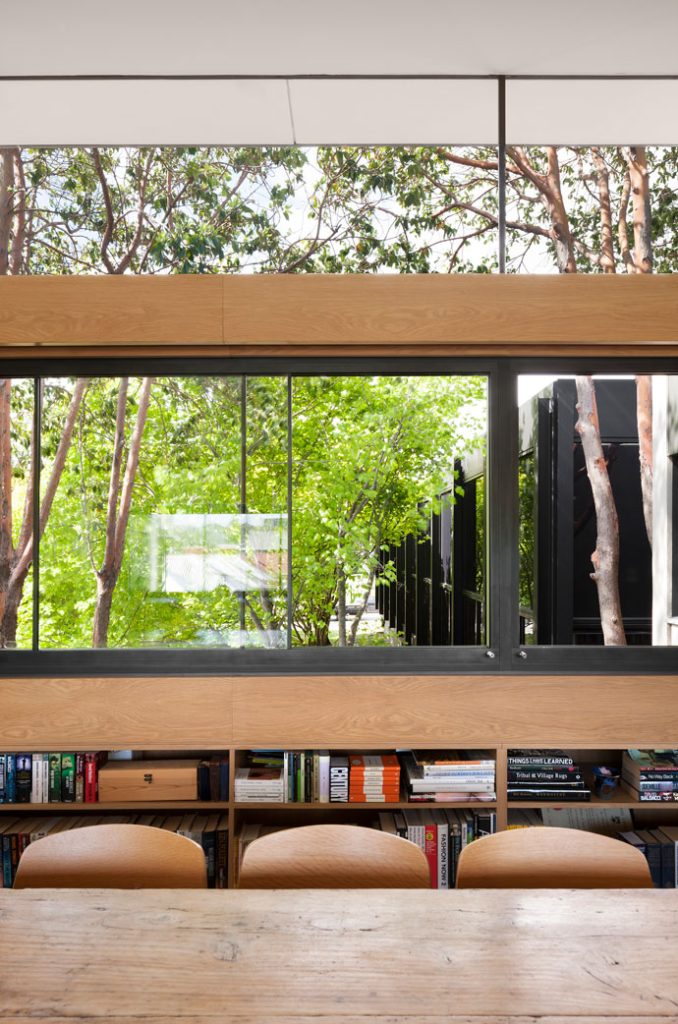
(443, 857)
(36, 779)
(324, 783)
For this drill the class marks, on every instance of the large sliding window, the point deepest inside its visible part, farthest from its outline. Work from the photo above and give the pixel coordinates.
(309, 515)
(261, 511)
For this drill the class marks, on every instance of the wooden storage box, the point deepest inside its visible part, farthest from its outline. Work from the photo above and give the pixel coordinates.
(148, 780)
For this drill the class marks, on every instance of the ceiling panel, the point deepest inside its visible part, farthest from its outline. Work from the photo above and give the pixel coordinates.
(144, 113)
(361, 37)
(363, 112)
(592, 112)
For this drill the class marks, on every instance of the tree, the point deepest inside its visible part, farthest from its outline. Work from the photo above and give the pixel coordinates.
(348, 209)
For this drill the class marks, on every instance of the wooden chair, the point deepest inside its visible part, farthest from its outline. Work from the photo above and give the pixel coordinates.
(112, 857)
(551, 858)
(333, 857)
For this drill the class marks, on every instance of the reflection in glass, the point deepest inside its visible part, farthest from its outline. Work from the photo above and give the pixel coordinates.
(595, 482)
(375, 495)
(169, 526)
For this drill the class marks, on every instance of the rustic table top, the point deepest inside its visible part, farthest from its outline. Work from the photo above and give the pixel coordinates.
(346, 957)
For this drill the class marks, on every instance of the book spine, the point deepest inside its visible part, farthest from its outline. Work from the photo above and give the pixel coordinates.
(10, 778)
(443, 858)
(79, 778)
(204, 791)
(222, 856)
(3, 778)
(55, 778)
(431, 851)
(90, 778)
(526, 775)
(208, 842)
(36, 779)
(68, 778)
(224, 779)
(538, 761)
(23, 778)
(324, 788)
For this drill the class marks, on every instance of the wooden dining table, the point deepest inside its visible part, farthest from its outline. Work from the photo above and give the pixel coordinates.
(346, 957)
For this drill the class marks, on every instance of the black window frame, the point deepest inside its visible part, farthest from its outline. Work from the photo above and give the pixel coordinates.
(503, 655)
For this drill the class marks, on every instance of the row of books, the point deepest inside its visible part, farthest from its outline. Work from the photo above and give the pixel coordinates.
(50, 778)
(321, 777)
(209, 830)
(651, 775)
(462, 776)
(660, 847)
(306, 776)
(213, 778)
(64, 777)
(545, 775)
(442, 833)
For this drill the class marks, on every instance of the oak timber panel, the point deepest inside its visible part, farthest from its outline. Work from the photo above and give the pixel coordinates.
(110, 310)
(465, 311)
(341, 711)
(385, 711)
(437, 309)
(115, 713)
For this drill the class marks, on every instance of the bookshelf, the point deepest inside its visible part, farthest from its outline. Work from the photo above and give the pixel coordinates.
(298, 813)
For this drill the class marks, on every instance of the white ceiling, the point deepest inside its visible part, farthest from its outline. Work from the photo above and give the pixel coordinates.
(292, 38)
(326, 37)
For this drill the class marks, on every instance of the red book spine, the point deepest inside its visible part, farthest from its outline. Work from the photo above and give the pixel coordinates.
(90, 779)
(431, 851)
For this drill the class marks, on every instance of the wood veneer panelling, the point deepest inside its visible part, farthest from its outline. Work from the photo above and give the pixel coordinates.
(114, 310)
(115, 713)
(388, 711)
(443, 309)
(471, 313)
(339, 711)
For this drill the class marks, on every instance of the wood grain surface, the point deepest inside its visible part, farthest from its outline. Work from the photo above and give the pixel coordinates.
(116, 713)
(180, 713)
(110, 310)
(381, 311)
(339, 956)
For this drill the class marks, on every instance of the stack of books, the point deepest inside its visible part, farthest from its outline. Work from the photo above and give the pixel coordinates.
(545, 775)
(374, 778)
(442, 834)
(262, 782)
(651, 775)
(462, 777)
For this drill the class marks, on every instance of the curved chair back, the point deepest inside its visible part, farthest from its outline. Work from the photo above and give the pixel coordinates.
(551, 858)
(112, 857)
(333, 857)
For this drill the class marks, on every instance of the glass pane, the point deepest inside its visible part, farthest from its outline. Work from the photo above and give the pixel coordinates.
(329, 209)
(591, 209)
(378, 498)
(16, 513)
(596, 484)
(167, 529)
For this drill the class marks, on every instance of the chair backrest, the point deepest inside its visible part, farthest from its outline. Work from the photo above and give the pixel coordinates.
(112, 857)
(551, 858)
(333, 857)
